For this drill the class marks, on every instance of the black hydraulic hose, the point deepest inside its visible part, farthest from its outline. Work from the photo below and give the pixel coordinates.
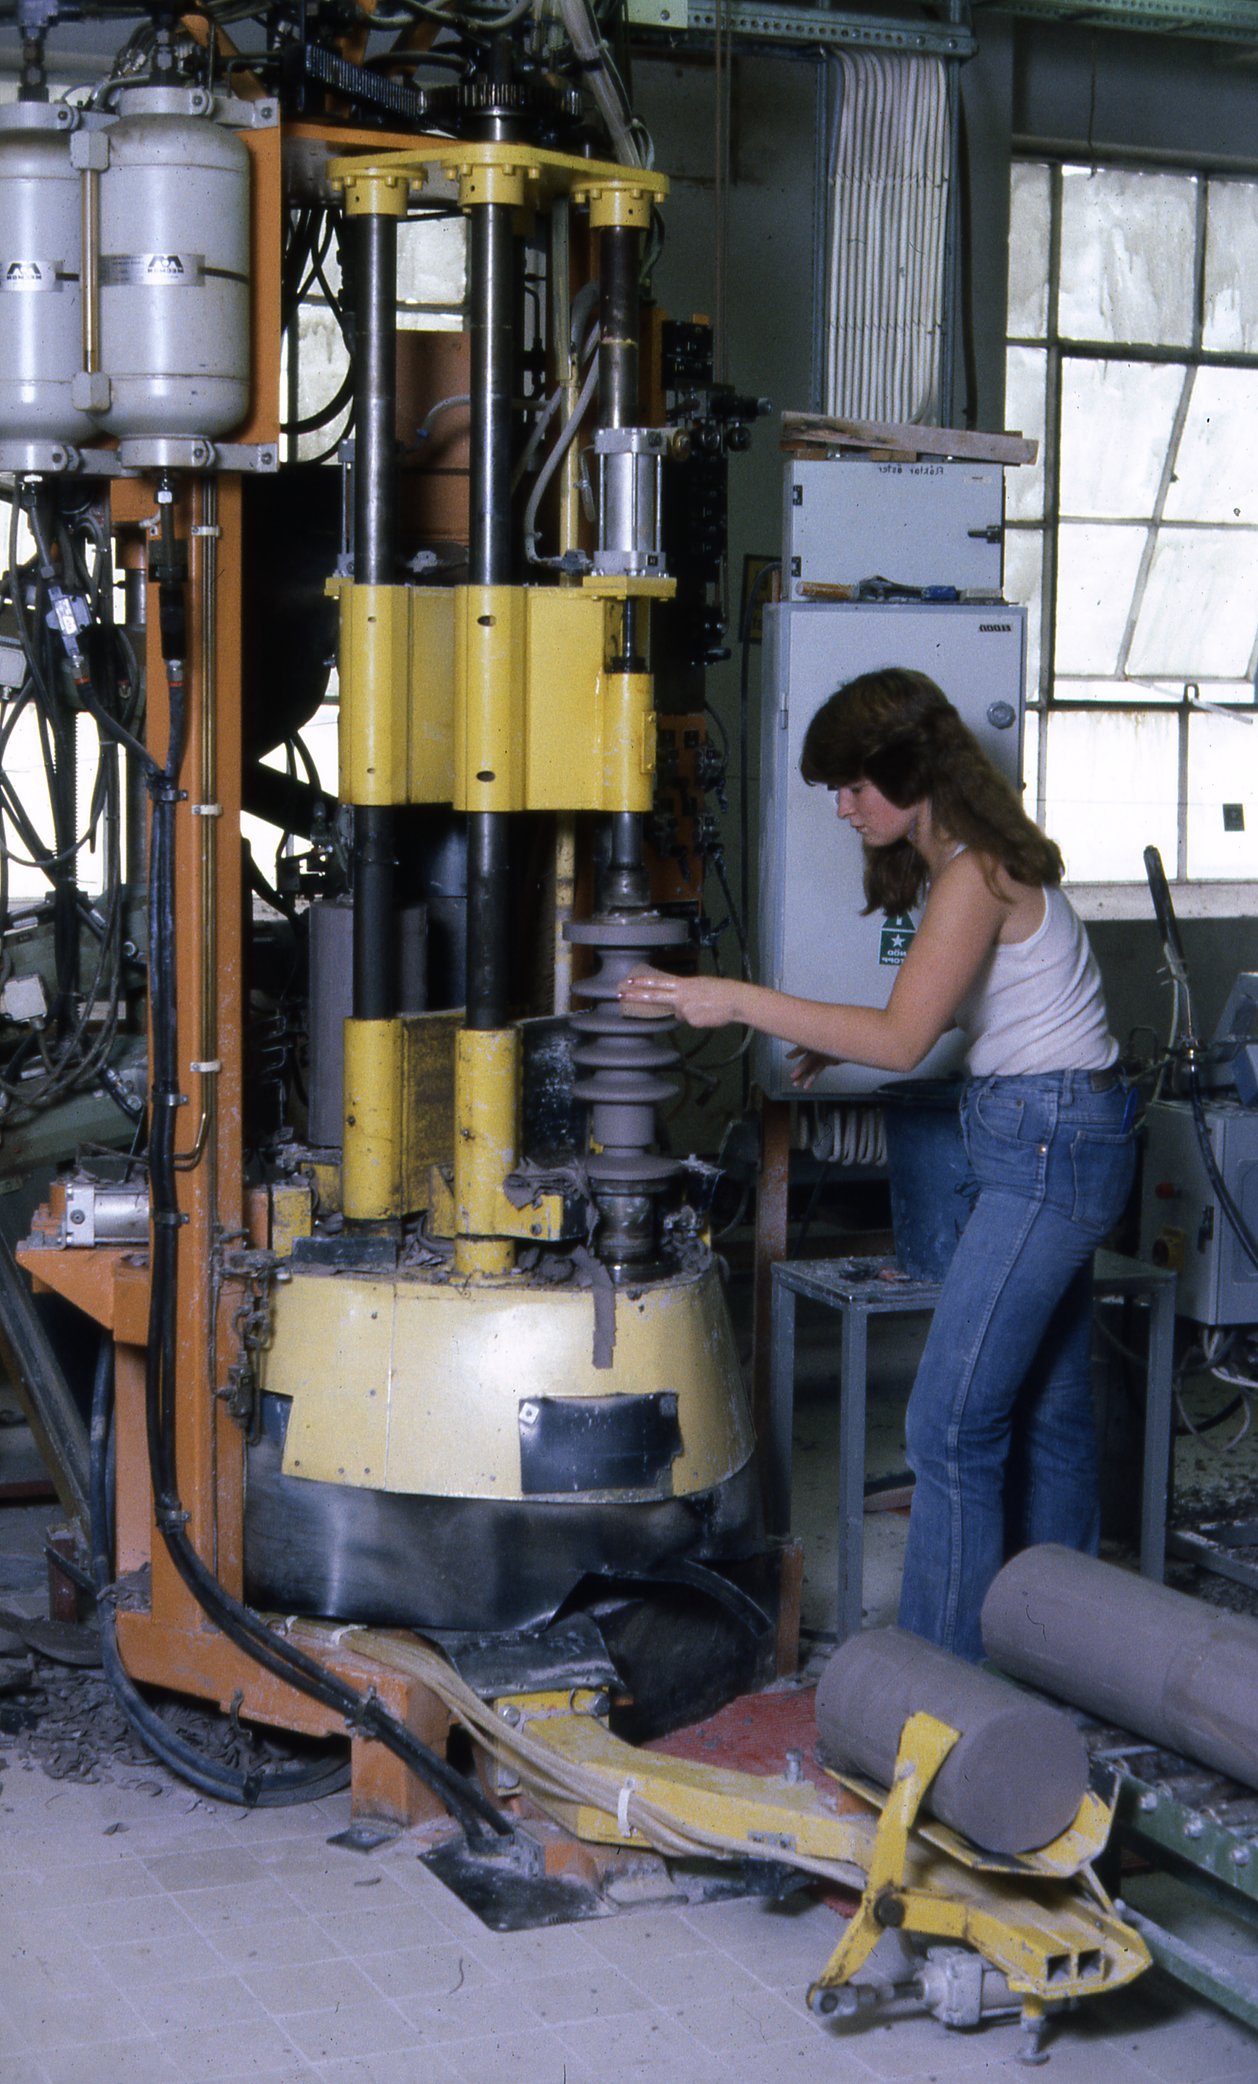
(271, 1788)
(364, 1714)
(1227, 1200)
(1168, 927)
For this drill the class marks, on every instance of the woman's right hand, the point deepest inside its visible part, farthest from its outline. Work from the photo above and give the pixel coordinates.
(806, 1065)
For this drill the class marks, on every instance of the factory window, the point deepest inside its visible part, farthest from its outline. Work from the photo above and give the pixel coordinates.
(432, 266)
(1133, 360)
(431, 282)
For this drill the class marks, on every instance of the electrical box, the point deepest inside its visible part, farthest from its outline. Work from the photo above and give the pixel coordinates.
(915, 524)
(1181, 1223)
(814, 942)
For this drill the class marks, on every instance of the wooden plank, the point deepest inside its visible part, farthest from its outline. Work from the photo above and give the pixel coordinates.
(813, 430)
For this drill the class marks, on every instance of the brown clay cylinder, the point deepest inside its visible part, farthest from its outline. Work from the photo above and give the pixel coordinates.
(1012, 1783)
(1172, 1669)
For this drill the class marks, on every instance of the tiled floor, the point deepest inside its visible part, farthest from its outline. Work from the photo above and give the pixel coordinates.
(156, 1939)
(148, 1936)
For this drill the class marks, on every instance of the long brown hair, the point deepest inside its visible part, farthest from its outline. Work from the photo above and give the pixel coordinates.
(898, 730)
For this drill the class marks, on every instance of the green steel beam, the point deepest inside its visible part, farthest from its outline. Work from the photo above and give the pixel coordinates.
(694, 22)
(813, 28)
(1215, 21)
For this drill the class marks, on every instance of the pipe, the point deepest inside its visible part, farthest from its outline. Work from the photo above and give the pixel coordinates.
(618, 328)
(492, 285)
(491, 272)
(375, 399)
(375, 553)
(1012, 1783)
(1174, 1670)
(488, 920)
(375, 878)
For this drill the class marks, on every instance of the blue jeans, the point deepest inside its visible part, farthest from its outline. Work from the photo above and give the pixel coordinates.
(1000, 1432)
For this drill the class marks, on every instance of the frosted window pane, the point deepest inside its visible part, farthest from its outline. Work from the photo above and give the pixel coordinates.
(1024, 565)
(1096, 576)
(1222, 769)
(1123, 689)
(1030, 762)
(1127, 243)
(1111, 793)
(1231, 289)
(321, 367)
(1216, 470)
(1025, 376)
(24, 770)
(1116, 420)
(1028, 252)
(432, 261)
(1200, 610)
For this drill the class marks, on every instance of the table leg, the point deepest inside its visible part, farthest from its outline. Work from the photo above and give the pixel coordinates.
(854, 1353)
(1159, 1411)
(777, 1448)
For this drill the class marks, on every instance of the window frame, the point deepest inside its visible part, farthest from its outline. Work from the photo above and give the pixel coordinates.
(1202, 896)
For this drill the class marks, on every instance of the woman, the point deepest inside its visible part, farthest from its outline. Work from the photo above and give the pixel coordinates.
(1000, 1429)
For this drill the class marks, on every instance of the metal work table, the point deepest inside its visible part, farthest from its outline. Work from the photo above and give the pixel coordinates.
(863, 1288)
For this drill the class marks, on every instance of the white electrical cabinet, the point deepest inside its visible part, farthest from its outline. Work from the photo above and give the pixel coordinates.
(814, 942)
(914, 524)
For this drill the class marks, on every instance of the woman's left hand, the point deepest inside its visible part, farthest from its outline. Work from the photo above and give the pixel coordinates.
(702, 1002)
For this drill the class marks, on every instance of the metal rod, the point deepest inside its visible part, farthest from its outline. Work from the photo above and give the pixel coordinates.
(375, 948)
(618, 340)
(488, 920)
(491, 267)
(492, 281)
(375, 401)
(91, 271)
(375, 552)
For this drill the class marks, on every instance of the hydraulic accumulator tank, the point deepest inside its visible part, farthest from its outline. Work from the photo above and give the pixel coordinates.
(173, 269)
(41, 306)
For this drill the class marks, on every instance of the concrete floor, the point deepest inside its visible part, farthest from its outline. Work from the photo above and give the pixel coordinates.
(149, 1936)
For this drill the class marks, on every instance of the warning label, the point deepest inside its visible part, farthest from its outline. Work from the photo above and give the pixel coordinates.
(895, 939)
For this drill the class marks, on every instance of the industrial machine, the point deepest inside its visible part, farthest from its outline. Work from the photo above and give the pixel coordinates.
(408, 1315)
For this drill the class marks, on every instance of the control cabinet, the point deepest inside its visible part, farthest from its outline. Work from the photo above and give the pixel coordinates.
(1181, 1223)
(921, 524)
(814, 941)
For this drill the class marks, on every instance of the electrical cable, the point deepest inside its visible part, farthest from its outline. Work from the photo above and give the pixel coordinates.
(567, 434)
(267, 1788)
(758, 585)
(1173, 949)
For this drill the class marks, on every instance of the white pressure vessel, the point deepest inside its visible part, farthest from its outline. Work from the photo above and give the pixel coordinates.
(41, 305)
(173, 269)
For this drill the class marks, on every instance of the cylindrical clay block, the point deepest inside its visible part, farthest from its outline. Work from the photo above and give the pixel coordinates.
(1172, 1669)
(1012, 1783)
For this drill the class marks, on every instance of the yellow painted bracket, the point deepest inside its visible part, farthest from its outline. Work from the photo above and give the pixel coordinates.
(492, 698)
(544, 1220)
(397, 1111)
(520, 176)
(486, 1123)
(1052, 1938)
(1053, 1942)
(292, 1214)
(395, 659)
(924, 1745)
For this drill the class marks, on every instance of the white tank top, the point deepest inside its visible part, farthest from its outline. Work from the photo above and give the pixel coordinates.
(1037, 1005)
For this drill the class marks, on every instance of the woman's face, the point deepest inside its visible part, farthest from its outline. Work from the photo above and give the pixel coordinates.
(879, 822)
